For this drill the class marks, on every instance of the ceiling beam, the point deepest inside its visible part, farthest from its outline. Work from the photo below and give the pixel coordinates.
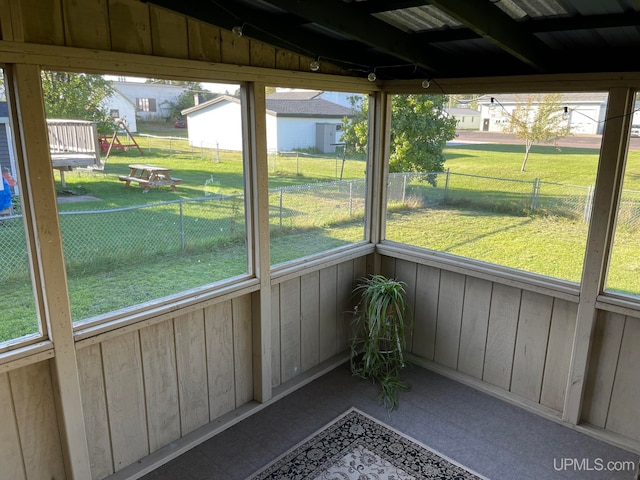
(490, 22)
(347, 20)
(283, 31)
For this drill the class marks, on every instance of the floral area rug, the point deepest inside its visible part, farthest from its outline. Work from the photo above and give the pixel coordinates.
(356, 446)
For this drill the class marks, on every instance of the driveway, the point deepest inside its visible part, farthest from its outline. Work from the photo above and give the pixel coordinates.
(577, 141)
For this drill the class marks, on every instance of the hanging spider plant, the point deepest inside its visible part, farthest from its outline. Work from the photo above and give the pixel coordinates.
(379, 324)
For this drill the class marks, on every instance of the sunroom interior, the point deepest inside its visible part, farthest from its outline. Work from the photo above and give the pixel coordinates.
(119, 386)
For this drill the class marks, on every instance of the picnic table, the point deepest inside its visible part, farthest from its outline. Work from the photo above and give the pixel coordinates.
(148, 176)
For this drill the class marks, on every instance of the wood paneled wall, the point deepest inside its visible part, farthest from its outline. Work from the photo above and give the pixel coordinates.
(310, 318)
(612, 396)
(510, 338)
(29, 432)
(520, 341)
(145, 389)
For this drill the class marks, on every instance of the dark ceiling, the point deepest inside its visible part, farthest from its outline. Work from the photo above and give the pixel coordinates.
(413, 39)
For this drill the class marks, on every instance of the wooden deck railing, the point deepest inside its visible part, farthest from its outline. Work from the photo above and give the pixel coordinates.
(73, 143)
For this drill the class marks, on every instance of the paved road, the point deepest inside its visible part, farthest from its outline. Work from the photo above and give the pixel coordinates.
(579, 141)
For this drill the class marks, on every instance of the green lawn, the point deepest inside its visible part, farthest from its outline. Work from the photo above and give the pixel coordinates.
(166, 242)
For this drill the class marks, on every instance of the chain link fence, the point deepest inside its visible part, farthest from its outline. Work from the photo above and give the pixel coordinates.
(102, 239)
(518, 197)
(317, 205)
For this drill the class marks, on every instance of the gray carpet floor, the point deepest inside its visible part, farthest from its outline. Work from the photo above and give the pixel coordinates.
(494, 438)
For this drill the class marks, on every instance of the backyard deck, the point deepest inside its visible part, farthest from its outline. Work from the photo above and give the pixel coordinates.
(73, 144)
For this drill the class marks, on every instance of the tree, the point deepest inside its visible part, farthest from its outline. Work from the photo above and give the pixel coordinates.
(77, 96)
(538, 120)
(419, 132)
(187, 100)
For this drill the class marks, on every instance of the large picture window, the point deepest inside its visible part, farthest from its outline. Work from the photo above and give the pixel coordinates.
(317, 153)
(18, 316)
(148, 210)
(624, 266)
(503, 179)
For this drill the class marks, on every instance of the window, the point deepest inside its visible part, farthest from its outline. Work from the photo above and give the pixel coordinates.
(146, 104)
(18, 316)
(480, 195)
(114, 113)
(317, 172)
(624, 267)
(134, 235)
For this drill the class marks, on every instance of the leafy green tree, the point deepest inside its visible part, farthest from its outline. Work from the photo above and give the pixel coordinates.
(187, 100)
(419, 131)
(537, 120)
(78, 96)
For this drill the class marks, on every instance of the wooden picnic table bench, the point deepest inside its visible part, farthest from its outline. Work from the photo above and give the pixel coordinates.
(148, 176)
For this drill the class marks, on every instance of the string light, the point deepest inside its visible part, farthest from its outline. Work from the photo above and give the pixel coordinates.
(426, 83)
(314, 66)
(237, 30)
(372, 76)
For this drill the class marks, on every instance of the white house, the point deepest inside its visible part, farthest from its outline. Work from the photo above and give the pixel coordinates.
(466, 118)
(295, 120)
(119, 106)
(151, 100)
(585, 111)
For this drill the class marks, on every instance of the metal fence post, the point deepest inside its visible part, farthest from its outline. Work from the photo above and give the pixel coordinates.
(404, 188)
(297, 163)
(588, 204)
(532, 202)
(446, 184)
(182, 234)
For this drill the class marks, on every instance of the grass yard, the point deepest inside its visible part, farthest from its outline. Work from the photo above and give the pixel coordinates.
(129, 247)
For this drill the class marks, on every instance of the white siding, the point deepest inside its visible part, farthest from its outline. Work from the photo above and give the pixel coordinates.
(162, 94)
(126, 110)
(219, 126)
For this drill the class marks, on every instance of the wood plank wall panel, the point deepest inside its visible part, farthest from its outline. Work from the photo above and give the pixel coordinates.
(219, 345)
(160, 384)
(287, 60)
(243, 349)
(290, 329)
(192, 370)
(607, 340)
(407, 272)
(169, 37)
(624, 410)
(36, 419)
(450, 303)
(234, 50)
(42, 21)
(262, 55)
(87, 34)
(556, 370)
(328, 312)
(130, 25)
(475, 322)
(345, 305)
(94, 406)
(204, 41)
(501, 336)
(310, 320)
(6, 21)
(426, 311)
(11, 463)
(275, 335)
(531, 345)
(124, 386)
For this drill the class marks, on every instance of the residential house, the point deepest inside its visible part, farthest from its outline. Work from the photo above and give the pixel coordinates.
(151, 100)
(295, 120)
(585, 112)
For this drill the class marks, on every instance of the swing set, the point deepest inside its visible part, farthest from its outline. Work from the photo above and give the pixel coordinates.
(106, 144)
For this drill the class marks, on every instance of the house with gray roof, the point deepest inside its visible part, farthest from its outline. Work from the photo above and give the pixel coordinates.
(295, 120)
